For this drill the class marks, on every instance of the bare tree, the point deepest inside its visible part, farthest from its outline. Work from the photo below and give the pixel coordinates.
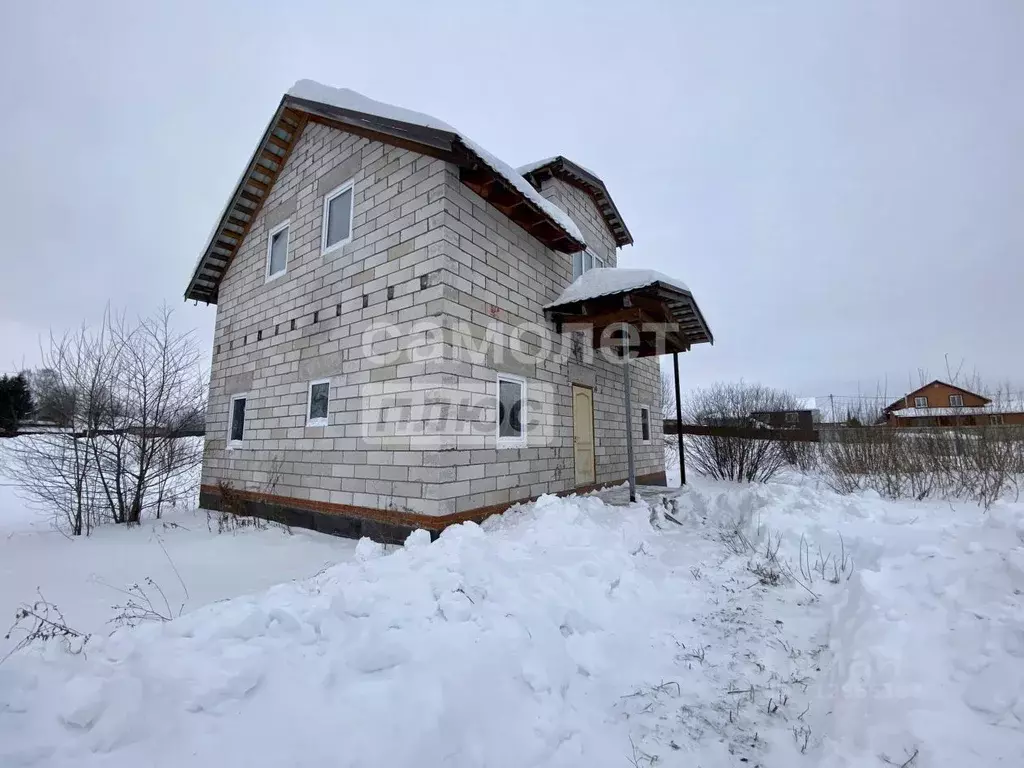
(668, 411)
(732, 405)
(56, 468)
(158, 391)
(123, 396)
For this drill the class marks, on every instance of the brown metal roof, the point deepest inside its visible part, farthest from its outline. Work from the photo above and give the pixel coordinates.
(644, 308)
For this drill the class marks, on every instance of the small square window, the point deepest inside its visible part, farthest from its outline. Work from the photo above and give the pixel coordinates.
(511, 412)
(337, 226)
(956, 401)
(792, 417)
(996, 419)
(920, 402)
(277, 251)
(319, 399)
(236, 428)
(645, 423)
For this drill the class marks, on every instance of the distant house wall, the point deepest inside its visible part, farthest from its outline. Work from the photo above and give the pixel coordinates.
(938, 394)
(802, 420)
(966, 419)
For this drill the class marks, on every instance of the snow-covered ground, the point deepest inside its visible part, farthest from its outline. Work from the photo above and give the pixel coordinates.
(577, 632)
(183, 554)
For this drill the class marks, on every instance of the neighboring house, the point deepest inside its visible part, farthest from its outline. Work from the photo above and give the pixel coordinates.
(939, 404)
(803, 416)
(395, 343)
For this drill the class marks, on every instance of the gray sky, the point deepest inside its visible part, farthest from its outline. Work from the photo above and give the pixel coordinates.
(840, 183)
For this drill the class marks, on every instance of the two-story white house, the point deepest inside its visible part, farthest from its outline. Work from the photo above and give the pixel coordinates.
(411, 333)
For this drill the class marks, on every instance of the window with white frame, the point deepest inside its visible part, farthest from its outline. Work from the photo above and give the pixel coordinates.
(645, 423)
(956, 401)
(996, 419)
(584, 261)
(319, 398)
(511, 411)
(792, 417)
(236, 420)
(277, 251)
(337, 226)
(920, 402)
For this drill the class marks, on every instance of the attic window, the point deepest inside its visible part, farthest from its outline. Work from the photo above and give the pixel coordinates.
(277, 251)
(956, 401)
(337, 226)
(920, 402)
(584, 261)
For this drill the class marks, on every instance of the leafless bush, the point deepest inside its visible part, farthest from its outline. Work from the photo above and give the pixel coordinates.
(121, 397)
(146, 602)
(734, 458)
(233, 515)
(41, 621)
(980, 463)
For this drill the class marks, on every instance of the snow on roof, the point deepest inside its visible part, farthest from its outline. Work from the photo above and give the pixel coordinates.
(531, 167)
(1005, 406)
(344, 98)
(604, 281)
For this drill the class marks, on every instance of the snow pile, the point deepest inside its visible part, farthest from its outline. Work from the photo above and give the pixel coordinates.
(551, 636)
(344, 98)
(603, 281)
(573, 632)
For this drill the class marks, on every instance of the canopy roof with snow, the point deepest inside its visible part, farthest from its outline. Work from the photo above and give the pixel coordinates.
(586, 180)
(643, 298)
(346, 110)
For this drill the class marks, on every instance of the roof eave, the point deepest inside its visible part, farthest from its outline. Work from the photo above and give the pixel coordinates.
(569, 171)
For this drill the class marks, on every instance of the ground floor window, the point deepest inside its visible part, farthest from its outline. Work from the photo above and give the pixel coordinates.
(645, 423)
(236, 427)
(511, 411)
(318, 400)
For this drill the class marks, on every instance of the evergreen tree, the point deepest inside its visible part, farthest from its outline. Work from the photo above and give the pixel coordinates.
(15, 402)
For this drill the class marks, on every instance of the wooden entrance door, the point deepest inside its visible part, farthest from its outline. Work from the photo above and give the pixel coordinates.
(583, 434)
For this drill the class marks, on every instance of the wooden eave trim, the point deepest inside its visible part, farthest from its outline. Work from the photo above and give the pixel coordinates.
(243, 209)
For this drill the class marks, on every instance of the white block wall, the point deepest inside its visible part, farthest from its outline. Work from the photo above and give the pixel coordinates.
(444, 256)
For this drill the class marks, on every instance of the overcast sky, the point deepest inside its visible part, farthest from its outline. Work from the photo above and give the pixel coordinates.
(841, 184)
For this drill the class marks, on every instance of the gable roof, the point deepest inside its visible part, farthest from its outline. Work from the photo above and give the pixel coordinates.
(589, 182)
(348, 111)
(901, 403)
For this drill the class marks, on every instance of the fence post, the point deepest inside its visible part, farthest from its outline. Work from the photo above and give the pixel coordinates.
(629, 419)
(679, 423)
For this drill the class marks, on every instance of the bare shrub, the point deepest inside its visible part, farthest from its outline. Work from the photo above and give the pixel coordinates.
(234, 516)
(980, 463)
(734, 458)
(41, 621)
(146, 602)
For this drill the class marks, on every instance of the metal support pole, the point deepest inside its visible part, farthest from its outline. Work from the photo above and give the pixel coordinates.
(629, 418)
(679, 423)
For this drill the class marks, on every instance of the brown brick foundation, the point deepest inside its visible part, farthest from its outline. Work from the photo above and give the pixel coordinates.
(352, 522)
